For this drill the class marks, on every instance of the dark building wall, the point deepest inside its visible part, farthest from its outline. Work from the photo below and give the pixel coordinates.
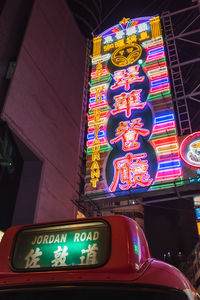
(14, 16)
(13, 20)
(43, 104)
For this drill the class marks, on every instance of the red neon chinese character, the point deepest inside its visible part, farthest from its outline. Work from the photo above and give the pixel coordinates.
(126, 102)
(129, 132)
(132, 171)
(126, 77)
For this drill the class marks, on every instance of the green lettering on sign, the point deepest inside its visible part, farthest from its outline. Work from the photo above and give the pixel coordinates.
(61, 246)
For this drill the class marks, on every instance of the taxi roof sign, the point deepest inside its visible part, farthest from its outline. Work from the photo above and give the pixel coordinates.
(67, 245)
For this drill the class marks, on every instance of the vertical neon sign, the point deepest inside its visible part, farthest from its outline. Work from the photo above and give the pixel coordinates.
(131, 140)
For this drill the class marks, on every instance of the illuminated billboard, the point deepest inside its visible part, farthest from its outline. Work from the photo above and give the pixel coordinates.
(132, 143)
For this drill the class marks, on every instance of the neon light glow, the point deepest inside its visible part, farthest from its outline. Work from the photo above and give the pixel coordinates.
(98, 96)
(131, 139)
(198, 227)
(124, 78)
(190, 150)
(126, 102)
(169, 164)
(156, 50)
(167, 185)
(168, 140)
(156, 57)
(128, 132)
(167, 149)
(102, 58)
(160, 82)
(164, 127)
(99, 72)
(119, 35)
(196, 200)
(173, 173)
(131, 171)
(166, 156)
(131, 31)
(164, 118)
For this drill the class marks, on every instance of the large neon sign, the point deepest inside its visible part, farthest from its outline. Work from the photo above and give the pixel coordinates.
(131, 141)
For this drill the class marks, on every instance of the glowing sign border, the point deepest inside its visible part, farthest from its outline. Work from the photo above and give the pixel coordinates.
(146, 32)
(184, 145)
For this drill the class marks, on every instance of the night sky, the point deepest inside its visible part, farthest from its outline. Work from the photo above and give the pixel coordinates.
(97, 15)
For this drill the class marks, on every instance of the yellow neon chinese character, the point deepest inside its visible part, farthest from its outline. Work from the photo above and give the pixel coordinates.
(97, 115)
(131, 39)
(108, 47)
(99, 70)
(119, 43)
(98, 97)
(143, 36)
(96, 130)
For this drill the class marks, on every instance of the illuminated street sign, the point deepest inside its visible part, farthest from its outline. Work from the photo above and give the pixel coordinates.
(62, 246)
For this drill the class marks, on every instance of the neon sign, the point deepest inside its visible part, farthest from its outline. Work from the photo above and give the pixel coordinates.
(124, 78)
(131, 142)
(126, 102)
(129, 132)
(131, 171)
(190, 150)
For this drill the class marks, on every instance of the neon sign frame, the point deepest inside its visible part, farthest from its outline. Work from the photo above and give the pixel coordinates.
(186, 148)
(135, 49)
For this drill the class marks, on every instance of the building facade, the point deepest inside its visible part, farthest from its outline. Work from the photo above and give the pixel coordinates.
(41, 80)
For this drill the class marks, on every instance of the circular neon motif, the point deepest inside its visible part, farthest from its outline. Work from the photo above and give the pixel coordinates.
(126, 55)
(190, 150)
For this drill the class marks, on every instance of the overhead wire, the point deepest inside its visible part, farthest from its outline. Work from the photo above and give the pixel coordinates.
(103, 20)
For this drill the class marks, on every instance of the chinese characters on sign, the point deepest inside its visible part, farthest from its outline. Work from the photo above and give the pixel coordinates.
(131, 142)
(51, 248)
(88, 257)
(126, 102)
(130, 171)
(129, 132)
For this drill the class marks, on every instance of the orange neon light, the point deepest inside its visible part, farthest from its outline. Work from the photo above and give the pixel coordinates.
(164, 141)
(167, 148)
(198, 227)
